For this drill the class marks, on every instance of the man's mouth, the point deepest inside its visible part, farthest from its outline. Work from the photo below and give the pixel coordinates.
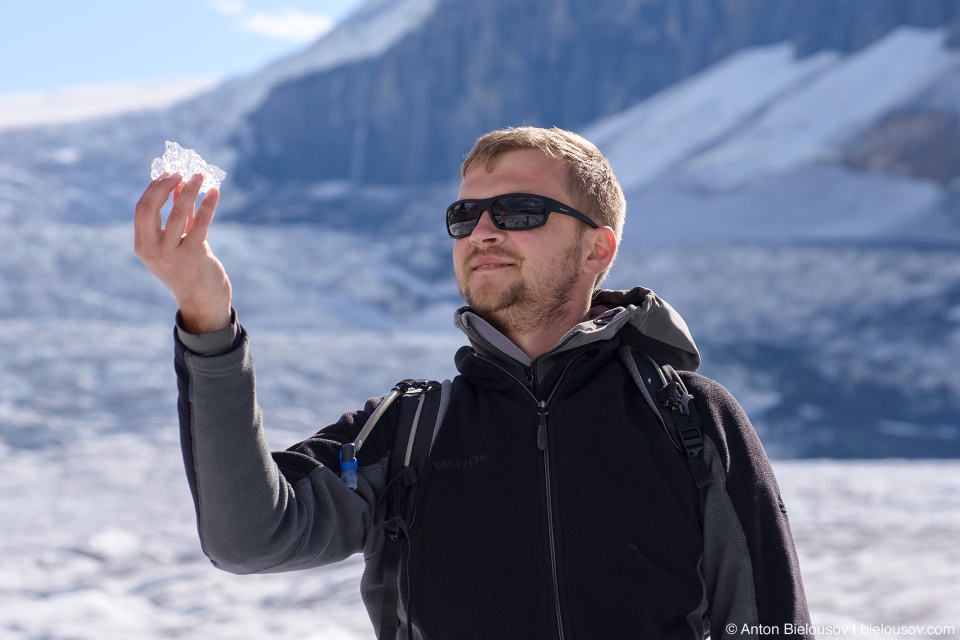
(490, 261)
(490, 266)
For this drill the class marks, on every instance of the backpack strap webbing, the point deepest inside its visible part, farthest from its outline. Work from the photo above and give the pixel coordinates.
(416, 424)
(678, 412)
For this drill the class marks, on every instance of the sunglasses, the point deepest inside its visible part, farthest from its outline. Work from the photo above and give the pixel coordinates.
(510, 212)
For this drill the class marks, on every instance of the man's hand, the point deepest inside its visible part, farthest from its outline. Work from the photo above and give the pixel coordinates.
(179, 255)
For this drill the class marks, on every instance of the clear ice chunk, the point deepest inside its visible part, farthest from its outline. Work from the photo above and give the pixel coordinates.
(187, 162)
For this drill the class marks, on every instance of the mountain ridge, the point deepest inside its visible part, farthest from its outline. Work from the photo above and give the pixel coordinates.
(499, 63)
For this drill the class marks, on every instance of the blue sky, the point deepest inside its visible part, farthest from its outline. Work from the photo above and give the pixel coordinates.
(57, 43)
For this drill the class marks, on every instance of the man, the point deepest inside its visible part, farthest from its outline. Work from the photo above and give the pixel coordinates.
(580, 518)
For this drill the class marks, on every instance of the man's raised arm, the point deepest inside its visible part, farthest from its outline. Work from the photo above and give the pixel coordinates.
(252, 514)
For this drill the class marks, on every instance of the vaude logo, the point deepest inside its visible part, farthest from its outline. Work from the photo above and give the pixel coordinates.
(460, 464)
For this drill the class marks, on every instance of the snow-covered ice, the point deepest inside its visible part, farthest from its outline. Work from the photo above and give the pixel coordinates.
(90, 101)
(748, 149)
(99, 543)
(651, 137)
(877, 541)
(99, 539)
(821, 113)
(763, 111)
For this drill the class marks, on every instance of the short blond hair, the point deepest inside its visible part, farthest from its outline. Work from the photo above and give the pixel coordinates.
(590, 176)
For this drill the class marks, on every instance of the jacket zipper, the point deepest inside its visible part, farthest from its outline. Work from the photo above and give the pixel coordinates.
(542, 444)
(542, 411)
(542, 427)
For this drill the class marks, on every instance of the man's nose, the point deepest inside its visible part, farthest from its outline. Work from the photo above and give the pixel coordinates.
(486, 231)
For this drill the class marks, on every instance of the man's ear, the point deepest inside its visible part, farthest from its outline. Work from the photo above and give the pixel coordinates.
(601, 247)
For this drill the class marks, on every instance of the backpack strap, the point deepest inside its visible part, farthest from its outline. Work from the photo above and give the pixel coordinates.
(665, 392)
(419, 418)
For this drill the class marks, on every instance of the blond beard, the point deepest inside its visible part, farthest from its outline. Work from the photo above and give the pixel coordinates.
(530, 305)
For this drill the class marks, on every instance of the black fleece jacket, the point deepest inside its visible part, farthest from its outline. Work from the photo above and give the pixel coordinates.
(553, 502)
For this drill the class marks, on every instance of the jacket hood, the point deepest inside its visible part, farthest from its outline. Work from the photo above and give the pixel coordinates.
(638, 317)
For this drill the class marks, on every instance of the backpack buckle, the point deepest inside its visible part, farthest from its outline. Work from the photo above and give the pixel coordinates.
(674, 396)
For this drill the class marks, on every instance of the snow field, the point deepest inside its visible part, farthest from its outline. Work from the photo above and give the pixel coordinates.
(100, 543)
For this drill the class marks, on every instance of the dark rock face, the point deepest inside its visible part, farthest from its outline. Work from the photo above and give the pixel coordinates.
(919, 145)
(411, 115)
(850, 25)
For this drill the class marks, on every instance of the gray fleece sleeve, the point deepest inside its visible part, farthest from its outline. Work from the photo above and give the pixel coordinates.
(214, 343)
(253, 515)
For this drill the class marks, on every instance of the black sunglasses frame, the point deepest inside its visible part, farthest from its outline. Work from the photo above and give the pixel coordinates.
(549, 206)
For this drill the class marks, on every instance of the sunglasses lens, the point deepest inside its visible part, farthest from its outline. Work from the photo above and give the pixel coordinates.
(462, 218)
(519, 212)
(511, 212)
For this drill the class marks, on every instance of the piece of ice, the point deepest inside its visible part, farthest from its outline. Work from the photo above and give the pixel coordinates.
(186, 162)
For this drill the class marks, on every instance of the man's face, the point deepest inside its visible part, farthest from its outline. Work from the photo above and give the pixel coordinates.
(508, 272)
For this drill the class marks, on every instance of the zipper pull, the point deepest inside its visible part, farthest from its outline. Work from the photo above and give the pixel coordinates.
(542, 428)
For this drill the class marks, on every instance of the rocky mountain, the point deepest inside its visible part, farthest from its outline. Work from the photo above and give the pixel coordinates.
(409, 114)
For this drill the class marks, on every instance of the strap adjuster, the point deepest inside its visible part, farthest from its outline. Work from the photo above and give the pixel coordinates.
(692, 440)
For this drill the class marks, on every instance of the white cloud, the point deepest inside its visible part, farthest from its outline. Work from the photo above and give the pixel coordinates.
(228, 7)
(290, 25)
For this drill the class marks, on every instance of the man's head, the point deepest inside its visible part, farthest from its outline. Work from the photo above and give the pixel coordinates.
(529, 276)
(593, 187)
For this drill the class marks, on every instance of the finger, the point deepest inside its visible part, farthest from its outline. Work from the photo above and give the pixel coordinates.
(181, 212)
(176, 195)
(147, 219)
(201, 222)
